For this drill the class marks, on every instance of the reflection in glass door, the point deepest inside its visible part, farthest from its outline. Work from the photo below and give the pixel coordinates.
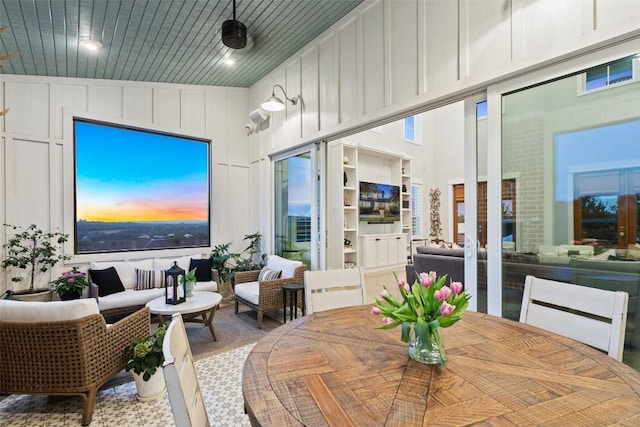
(296, 208)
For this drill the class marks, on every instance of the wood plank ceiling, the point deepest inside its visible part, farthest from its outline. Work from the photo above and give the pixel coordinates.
(159, 40)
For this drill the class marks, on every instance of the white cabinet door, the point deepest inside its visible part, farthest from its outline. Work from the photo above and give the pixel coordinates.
(371, 245)
(396, 245)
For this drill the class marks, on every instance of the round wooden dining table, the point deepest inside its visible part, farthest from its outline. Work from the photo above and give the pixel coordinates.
(336, 368)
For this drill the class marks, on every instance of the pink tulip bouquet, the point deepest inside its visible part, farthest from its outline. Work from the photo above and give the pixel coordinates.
(427, 305)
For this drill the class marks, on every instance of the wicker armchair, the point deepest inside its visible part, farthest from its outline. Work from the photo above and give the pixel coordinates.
(269, 292)
(64, 357)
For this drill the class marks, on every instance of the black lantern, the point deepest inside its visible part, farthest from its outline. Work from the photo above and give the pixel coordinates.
(174, 292)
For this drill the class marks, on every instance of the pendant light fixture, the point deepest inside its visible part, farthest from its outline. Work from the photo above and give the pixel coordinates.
(234, 33)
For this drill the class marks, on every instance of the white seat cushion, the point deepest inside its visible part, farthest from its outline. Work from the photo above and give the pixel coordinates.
(249, 291)
(33, 311)
(129, 298)
(211, 286)
(287, 266)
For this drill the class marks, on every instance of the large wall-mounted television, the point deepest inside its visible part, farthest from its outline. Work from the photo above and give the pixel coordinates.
(139, 189)
(379, 203)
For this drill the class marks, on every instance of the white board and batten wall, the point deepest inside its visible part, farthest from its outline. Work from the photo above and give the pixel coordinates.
(37, 147)
(387, 58)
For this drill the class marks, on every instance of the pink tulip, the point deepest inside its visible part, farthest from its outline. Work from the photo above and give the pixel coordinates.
(447, 308)
(384, 294)
(433, 275)
(425, 280)
(456, 287)
(442, 294)
(387, 320)
(375, 311)
(403, 284)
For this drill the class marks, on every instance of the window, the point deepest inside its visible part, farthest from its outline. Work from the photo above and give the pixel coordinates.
(416, 210)
(303, 229)
(607, 75)
(409, 129)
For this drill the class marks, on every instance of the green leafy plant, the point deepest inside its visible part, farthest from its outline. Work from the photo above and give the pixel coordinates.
(190, 276)
(72, 281)
(33, 249)
(220, 256)
(227, 262)
(145, 354)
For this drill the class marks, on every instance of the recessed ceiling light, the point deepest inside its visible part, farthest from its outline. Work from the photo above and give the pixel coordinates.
(229, 61)
(91, 44)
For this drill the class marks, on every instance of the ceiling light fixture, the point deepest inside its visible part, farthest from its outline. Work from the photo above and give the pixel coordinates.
(91, 44)
(273, 103)
(234, 33)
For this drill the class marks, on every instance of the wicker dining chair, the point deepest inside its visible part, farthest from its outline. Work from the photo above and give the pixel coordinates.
(72, 354)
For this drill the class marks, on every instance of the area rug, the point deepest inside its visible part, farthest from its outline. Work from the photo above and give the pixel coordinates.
(220, 378)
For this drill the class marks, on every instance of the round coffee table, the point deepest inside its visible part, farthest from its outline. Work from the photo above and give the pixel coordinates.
(200, 304)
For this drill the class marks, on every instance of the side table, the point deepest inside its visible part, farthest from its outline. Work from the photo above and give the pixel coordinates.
(292, 289)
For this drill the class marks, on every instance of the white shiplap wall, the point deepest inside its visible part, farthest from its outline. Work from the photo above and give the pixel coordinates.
(37, 154)
(389, 57)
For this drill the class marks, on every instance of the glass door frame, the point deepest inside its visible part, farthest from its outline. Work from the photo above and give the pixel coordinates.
(317, 246)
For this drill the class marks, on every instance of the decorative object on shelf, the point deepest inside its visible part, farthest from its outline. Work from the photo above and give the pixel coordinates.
(190, 282)
(434, 218)
(347, 201)
(349, 264)
(405, 204)
(345, 160)
(70, 284)
(426, 306)
(34, 250)
(404, 188)
(145, 357)
(344, 178)
(347, 242)
(404, 171)
(174, 289)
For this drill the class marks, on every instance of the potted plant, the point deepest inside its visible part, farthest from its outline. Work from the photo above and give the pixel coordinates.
(145, 357)
(34, 250)
(70, 284)
(190, 281)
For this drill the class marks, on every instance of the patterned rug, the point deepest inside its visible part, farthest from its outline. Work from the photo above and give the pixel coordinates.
(220, 378)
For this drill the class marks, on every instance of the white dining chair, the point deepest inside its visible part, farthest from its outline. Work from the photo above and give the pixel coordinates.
(595, 317)
(185, 396)
(328, 289)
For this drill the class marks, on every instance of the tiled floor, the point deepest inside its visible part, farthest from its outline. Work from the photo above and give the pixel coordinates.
(220, 379)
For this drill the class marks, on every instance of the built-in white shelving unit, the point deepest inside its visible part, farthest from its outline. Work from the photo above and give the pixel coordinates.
(353, 242)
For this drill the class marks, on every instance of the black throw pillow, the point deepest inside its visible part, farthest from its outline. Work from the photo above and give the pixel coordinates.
(203, 269)
(107, 280)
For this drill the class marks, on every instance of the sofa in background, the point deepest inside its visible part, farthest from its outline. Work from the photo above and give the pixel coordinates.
(441, 260)
(261, 290)
(118, 285)
(63, 348)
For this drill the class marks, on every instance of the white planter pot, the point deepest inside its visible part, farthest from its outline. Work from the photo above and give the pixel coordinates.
(152, 389)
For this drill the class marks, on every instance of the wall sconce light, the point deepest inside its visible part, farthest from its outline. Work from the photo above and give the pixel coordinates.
(273, 103)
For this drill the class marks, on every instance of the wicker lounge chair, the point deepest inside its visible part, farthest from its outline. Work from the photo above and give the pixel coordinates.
(266, 295)
(74, 356)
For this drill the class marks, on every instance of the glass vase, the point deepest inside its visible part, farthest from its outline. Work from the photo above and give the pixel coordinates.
(189, 285)
(420, 353)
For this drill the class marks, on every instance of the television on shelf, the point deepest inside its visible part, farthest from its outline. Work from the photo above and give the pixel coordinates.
(139, 189)
(379, 203)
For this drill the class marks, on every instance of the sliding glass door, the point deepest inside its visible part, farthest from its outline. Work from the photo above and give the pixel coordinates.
(297, 203)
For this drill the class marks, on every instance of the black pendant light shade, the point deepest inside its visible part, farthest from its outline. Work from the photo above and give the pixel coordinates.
(234, 33)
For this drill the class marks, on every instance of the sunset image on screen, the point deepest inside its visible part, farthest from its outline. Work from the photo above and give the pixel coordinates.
(130, 179)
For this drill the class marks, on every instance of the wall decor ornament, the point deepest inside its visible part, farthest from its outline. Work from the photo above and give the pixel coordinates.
(434, 218)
